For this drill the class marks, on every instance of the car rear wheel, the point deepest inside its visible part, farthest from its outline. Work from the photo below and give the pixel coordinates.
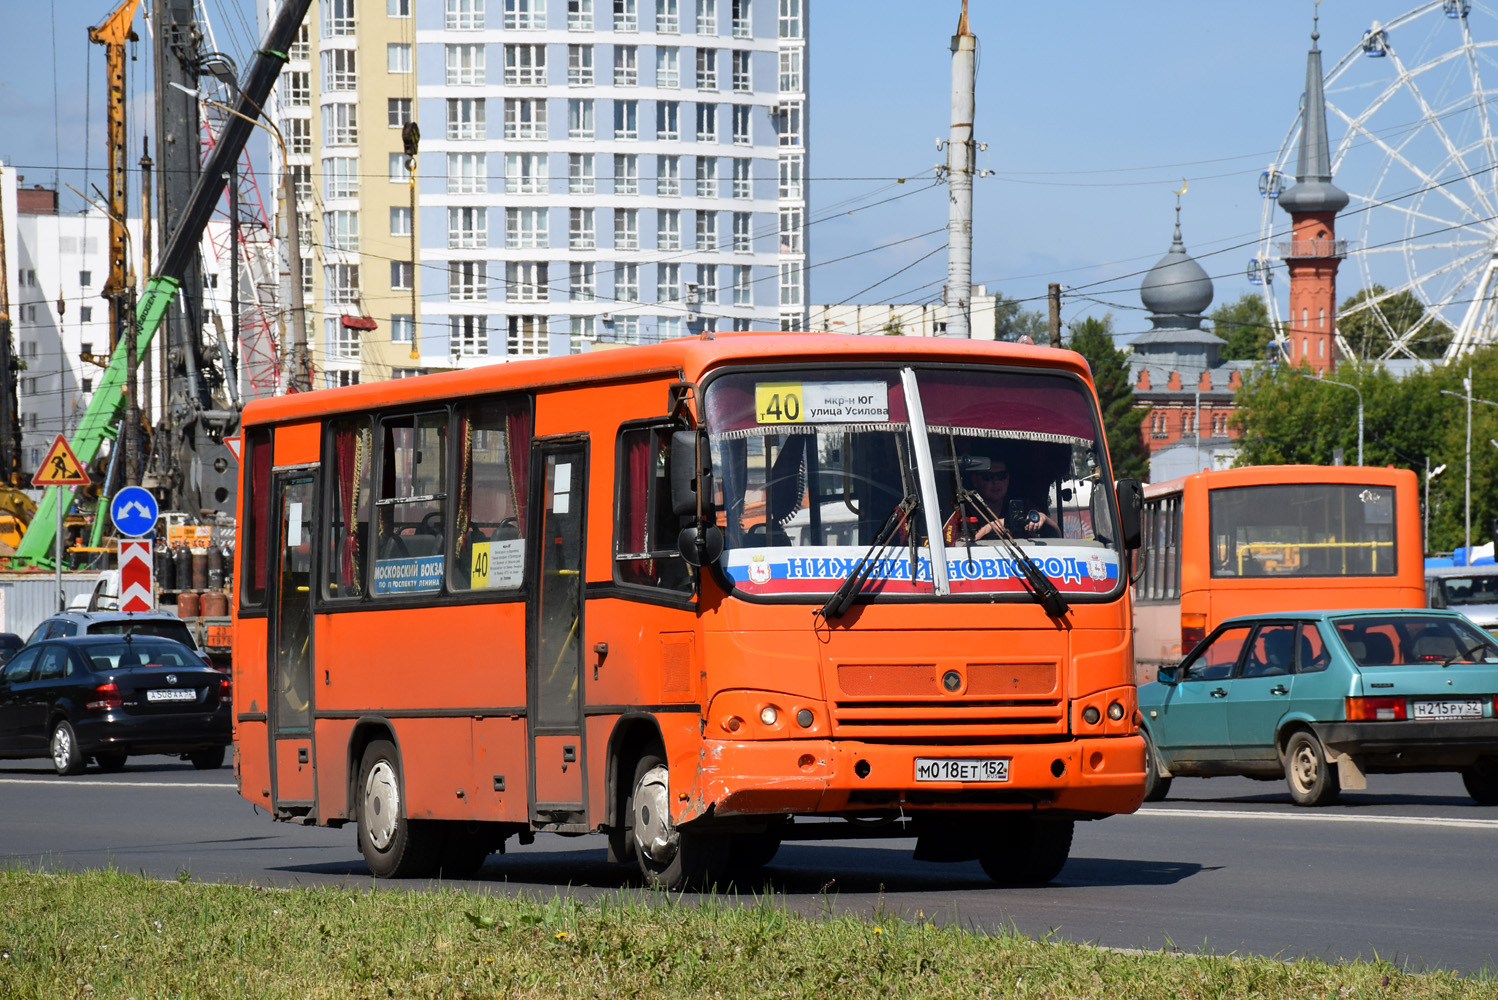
(65, 755)
(1311, 780)
(669, 857)
(1156, 786)
(210, 759)
(393, 846)
(110, 762)
(1481, 780)
(1026, 850)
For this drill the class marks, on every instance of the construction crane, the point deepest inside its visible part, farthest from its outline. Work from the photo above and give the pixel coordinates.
(101, 419)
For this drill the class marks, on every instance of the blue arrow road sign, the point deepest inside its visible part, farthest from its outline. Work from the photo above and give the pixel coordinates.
(134, 511)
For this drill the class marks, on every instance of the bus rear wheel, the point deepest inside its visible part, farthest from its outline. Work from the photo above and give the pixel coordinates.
(669, 857)
(1026, 850)
(393, 846)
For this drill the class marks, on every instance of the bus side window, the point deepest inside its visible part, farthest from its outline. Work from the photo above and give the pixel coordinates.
(645, 536)
(350, 463)
(255, 536)
(487, 543)
(412, 504)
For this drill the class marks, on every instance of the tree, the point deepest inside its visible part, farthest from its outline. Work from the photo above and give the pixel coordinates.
(1244, 324)
(894, 328)
(1010, 322)
(1368, 328)
(1093, 339)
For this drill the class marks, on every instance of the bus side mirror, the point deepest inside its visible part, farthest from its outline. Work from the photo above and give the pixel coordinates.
(1130, 511)
(689, 480)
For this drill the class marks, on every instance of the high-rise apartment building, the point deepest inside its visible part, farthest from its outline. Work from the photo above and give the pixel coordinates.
(588, 171)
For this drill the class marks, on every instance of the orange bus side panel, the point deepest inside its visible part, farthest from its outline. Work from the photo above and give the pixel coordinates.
(252, 762)
(559, 779)
(294, 780)
(438, 769)
(298, 444)
(251, 739)
(499, 753)
(333, 778)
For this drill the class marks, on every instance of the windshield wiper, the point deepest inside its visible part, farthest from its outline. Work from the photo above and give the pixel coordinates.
(1464, 654)
(842, 598)
(1035, 580)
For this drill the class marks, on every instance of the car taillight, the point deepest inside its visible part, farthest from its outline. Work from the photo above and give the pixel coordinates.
(1375, 710)
(1193, 631)
(107, 696)
(225, 690)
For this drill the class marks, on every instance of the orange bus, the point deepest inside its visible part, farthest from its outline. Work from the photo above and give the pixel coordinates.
(685, 595)
(1270, 538)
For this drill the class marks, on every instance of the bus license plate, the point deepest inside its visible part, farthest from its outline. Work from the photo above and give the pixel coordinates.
(960, 769)
(171, 694)
(1469, 708)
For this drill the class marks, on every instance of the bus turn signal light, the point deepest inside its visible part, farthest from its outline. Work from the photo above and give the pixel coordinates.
(1193, 631)
(1376, 710)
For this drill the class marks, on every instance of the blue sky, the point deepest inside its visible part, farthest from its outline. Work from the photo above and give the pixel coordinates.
(1093, 112)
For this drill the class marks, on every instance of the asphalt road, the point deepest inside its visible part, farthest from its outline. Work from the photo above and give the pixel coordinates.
(1404, 871)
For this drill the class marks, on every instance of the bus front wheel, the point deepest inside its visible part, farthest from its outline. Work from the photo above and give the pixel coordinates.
(392, 845)
(669, 857)
(1026, 850)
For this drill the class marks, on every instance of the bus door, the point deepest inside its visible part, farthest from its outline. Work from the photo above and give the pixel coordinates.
(554, 626)
(290, 644)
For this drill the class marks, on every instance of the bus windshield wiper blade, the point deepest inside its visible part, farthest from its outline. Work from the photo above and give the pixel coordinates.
(842, 598)
(1039, 585)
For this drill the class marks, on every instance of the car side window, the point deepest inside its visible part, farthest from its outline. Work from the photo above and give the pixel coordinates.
(18, 670)
(1217, 659)
(52, 664)
(1271, 653)
(1315, 655)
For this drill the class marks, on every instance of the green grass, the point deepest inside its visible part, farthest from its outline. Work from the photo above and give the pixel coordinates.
(112, 935)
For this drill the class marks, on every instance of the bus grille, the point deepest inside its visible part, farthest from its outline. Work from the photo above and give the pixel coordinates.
(909, 702)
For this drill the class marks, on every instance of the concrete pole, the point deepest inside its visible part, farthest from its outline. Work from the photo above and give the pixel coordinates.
(1053, 295)
(959, 290)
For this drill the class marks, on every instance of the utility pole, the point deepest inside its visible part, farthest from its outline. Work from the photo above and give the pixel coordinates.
(10, 423)
(1053, 294)
(147, 256)
(959, 171)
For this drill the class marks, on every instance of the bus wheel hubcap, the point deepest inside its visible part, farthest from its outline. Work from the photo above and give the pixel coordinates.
(381, 805)
(654, 832)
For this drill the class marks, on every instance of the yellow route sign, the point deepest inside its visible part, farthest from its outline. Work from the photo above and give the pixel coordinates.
(61, 467)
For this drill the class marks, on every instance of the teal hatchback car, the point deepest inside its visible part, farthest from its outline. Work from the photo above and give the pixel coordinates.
(1324, 698)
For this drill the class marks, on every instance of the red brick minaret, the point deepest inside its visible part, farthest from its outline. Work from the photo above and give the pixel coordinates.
(1313, 251)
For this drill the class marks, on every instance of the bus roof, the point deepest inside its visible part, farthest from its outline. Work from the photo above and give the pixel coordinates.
(686, 357)
(1272, 475)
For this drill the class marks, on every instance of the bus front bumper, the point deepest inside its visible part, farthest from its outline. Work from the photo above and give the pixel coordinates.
(1097, 776)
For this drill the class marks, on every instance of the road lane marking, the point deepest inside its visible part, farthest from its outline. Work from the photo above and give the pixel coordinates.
(1468, 824)
(76, 783)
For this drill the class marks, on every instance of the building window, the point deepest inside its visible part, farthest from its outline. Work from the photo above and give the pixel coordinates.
(525, 65)
(668, 229)
(86, 315)
(468, 173)
(668, 17)
(580, 178)
(790, 230)
(341, 230)
(668, 176)
(465, 65)
(467, 280)
(790, 283)
(626, 65)
(580, 118)
(298, 133)
(526, 281)
(525, 228)
(402, 275)
(583, 328)
(1321, 318)
(338, 70)
(627, 283)
(739, 13)
(526, 336)
(526, 173)
(467, 227)
(398, 57)
(464, 15)
(626, 119)
(400, 220)
(668, 328)
(580, 65)
(341, 283)
(579, 15)
(398, 112)
(398, 8)
(707, 283)
(466, 118)
(742, 78)
(584, 283)
(398, 168)
(338, 17)
(668, 67)
(707, 230)
(790, 18)
(741, 130)
(668, 120)
(340, 125)
(470, 335)
(525, 118)
(791, 168)
(626, 229)
(402, 328)
(743, 187)
(707, 17)
(626, 173)
(741, 238)
(525, 15)
(340, 341)
(668, 283)
(301, 183)
(707, 177)
(626, 15)
(707, 69)
(790, 70)
(742, 296)
(582, 232)
(298, 89)
(789, 122)
(707, 123)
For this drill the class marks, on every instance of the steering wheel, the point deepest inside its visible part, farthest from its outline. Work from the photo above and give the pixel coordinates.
(432, 523)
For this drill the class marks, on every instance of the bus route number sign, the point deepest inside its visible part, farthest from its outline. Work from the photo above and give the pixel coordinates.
(820, 402)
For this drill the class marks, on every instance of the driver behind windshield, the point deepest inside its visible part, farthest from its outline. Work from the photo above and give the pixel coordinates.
(1021, 516)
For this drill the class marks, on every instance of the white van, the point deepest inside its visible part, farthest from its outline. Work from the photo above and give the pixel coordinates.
(1471, 590)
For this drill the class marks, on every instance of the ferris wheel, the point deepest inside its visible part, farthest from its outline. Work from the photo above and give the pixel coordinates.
(1412, 116)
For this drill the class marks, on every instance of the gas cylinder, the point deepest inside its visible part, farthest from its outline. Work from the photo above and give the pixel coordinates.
(182, 557)
(166, 570)
(215, 568)
(189, 605)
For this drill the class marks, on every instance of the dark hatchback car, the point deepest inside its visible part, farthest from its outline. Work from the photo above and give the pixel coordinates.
(133, 623)
(112, 697)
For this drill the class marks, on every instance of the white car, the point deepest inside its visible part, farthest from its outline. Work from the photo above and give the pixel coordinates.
(1472, 590)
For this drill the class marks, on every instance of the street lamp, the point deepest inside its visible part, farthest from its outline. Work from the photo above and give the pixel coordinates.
(1360, 406)
(1467, 395)
(1429, 475)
